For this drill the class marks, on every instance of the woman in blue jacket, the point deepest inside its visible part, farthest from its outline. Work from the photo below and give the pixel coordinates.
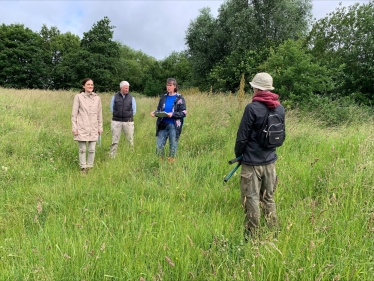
(169, 125)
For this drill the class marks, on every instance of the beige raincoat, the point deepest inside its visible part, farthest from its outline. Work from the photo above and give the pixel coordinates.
(87, 117)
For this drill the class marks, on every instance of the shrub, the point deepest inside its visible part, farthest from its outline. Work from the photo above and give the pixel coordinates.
(296, 77)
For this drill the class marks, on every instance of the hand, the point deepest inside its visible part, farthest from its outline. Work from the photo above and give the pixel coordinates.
(153, 114)
(240, 160)
(100, 132)
(75, 133)
(170, 114)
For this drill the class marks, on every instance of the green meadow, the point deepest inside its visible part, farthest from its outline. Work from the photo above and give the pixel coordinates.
(136, 218)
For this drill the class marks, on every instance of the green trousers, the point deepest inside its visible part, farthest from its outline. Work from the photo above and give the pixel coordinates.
(258, 184)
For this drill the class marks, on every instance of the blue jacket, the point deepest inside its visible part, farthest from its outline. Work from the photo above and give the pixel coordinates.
(179, 112)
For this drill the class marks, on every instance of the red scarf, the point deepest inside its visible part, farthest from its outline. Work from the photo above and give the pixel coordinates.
(269, 98)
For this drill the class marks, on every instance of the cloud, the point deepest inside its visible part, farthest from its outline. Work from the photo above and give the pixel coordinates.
(156, 27)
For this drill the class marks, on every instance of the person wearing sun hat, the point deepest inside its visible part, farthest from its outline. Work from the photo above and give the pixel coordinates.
(258, 175)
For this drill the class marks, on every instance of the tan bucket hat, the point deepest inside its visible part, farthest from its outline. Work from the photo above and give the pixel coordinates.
(262, 81)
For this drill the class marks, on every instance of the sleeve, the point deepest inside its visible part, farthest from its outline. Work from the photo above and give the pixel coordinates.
(181, 109)
(74, 114)
(100, 116)
(133, 105)
(244, 132)
(159, 106)
(112, 104)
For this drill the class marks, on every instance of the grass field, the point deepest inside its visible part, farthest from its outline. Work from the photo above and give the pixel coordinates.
(136, 218)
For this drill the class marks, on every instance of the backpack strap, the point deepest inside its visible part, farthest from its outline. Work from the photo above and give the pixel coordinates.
(266, 116)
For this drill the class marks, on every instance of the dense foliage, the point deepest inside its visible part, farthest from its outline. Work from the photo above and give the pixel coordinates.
(22, 61)
(330, 58)
(237, 41)
(57, 46)
(52, 60)
(296, 76)
(344, 40)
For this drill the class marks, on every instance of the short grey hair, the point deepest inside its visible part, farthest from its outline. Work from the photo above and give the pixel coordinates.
(124, 83)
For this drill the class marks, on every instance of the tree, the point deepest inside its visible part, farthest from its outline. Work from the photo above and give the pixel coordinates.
(251, 24)
(237, 26)
(154, 80)
(296, 77)
(241, 26)
(345, 39)
(204, 48)
(99, 39)
(98, 59)
(133, 66)
(279, 20)
(178, 66)
(226, 75)
(56, 45)
(21, 58)
(48, 35)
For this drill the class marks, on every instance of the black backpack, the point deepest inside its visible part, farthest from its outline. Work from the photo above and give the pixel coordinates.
(272, 133)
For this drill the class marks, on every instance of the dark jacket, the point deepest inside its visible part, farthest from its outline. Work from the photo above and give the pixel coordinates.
(179, 112)
(250, 127)
(122, 108)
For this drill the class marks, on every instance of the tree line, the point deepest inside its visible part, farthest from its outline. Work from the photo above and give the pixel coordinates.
(53, 60)
(329, 58)
(310, 60)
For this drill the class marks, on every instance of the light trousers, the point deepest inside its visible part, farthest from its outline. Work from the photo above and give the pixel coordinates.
(86, 161)
(117, 128)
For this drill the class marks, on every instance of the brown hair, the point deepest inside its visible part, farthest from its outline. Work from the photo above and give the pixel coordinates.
(84, 83)
(174, 82)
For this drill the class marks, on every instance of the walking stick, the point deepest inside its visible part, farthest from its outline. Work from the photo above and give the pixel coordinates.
(226, 179)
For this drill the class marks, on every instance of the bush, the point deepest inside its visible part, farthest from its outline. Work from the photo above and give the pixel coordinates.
(153, 87)
(296, 77)
(337, 112)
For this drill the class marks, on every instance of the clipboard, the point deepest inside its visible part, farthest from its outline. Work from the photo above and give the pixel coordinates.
(161, 114)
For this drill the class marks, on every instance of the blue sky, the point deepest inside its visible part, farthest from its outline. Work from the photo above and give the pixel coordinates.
(155, 27)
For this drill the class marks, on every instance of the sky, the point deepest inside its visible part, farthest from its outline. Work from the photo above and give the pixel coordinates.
(155, 27)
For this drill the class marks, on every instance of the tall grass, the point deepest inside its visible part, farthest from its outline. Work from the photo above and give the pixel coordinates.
(135, 218)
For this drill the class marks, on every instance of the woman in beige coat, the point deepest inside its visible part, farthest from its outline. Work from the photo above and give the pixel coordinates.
(87, 123)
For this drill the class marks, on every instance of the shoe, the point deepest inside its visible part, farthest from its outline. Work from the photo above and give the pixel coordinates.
(84, 171)
(171, 159)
